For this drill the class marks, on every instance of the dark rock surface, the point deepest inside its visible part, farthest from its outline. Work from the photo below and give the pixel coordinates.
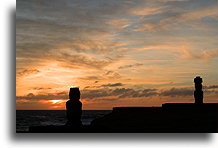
(170, 118)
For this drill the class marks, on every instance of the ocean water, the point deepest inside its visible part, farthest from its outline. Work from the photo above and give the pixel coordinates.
(26, 118)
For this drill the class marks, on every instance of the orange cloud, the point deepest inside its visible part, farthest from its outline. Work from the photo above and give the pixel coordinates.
(200, 54)
(146, 11)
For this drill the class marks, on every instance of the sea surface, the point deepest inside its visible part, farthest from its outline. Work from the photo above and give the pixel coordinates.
(26, 118)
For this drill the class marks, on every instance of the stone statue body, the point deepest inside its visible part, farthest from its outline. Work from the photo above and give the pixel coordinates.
(198, 93)
(74, 108)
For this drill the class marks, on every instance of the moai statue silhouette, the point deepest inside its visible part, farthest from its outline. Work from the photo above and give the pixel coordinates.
(74, 108)
(198, 93)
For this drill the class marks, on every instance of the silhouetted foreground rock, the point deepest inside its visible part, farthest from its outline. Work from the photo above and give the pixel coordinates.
(170, 118)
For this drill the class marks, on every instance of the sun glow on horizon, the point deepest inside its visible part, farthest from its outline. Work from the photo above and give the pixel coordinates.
(53, 101)
(56, 101)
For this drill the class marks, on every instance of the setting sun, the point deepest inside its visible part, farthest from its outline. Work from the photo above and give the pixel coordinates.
(56, 101)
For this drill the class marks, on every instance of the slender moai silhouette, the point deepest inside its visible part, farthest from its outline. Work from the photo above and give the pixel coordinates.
(74, 108)
(198, 93)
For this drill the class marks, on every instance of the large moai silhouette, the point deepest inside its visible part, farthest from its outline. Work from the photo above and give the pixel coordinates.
(74, 109)
(198, 93)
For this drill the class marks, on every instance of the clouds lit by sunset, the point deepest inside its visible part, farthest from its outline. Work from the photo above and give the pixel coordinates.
(118, 52)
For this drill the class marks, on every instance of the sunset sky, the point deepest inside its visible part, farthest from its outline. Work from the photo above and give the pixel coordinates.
(118, 52)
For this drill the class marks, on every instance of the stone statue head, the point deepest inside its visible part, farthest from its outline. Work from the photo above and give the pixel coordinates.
(74, 93)
(198, 79)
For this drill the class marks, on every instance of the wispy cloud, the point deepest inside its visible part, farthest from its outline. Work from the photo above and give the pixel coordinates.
(41, 88)
(112, 85)
(173, 92)
(28, 72)
(211, 87)
(130, 66)
(200, 54)
(112, 74)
